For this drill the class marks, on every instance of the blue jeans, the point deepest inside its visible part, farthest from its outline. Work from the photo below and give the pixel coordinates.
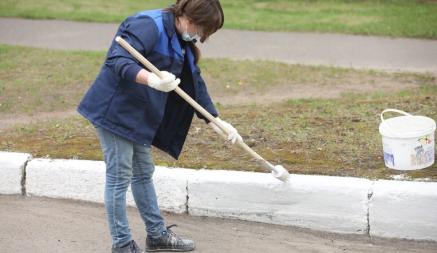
(129, 163)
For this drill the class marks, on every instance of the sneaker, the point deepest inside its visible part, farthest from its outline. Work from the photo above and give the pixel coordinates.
(169, 241)
(132, 247)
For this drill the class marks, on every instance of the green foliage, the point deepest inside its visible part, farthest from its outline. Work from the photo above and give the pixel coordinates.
(38, 80)
(396, 18)
(330, 136)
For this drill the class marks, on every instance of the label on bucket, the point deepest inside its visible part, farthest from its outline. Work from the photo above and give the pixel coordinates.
(409, 154)
(388, 155)
(423, 152)
(389, 159)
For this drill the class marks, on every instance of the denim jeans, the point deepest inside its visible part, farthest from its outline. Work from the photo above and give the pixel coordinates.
(128, 163)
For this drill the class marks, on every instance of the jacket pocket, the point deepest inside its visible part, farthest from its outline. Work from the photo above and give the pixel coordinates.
(126, 111)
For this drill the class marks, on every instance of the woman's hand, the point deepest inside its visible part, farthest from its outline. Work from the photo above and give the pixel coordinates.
(167, 83)
(232, 133)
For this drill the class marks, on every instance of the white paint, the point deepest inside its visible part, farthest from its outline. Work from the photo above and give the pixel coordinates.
(85, 180)
(397, 209)
(171, 188)
(11, 171)
(404, 210)
(324, 203)
(70, 179)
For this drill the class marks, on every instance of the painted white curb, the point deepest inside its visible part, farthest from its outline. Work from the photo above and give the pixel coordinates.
(171, 188)
(85, 180)
(404, 210)
(70, 179)
(12, 171)
(383, 208)
(324, 203)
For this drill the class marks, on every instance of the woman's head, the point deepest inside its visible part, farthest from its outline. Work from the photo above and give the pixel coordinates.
(206, 15)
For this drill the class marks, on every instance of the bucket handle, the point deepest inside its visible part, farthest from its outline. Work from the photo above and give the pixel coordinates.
(392, 110)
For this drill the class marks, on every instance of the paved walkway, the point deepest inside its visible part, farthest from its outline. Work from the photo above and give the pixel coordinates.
(41, 225)
(304, 48)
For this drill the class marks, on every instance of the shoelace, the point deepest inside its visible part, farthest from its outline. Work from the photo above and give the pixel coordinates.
(135, 247)
(172, 235)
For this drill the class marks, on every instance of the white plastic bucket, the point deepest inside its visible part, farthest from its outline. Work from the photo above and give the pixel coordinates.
(408, 141)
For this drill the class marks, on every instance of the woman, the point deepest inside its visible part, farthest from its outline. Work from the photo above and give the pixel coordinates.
(133, 109)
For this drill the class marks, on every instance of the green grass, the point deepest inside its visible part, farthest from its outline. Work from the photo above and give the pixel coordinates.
(397, 18)
(39, 80)
(34, 80)
(328, 136)
(310, 136)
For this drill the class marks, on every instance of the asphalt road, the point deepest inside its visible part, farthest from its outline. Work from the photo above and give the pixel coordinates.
(42, 225)
(392, 54)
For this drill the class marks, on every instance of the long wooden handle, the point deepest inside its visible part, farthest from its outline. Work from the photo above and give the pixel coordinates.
(191, 101)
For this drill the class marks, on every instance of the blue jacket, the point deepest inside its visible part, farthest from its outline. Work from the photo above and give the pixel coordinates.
(134, 111)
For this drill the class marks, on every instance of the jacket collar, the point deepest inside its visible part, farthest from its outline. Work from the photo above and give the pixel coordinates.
(169, 22)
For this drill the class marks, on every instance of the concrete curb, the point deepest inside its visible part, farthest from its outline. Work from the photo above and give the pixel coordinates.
(404, 210)
(12, 171)
(324, 203)
(85, 180)
(335, 204)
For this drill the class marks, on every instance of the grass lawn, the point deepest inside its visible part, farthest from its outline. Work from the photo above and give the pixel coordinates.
(397, 18)
(324, 135)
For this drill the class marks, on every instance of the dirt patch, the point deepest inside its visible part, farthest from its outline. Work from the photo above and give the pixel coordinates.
(247, 96)
(11, 120)
(281, 93)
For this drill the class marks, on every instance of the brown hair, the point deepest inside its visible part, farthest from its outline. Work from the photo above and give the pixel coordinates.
(207, 14)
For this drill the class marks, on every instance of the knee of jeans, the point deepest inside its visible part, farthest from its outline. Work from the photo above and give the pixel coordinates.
(143, 171)
(142, 177)
(123, 177)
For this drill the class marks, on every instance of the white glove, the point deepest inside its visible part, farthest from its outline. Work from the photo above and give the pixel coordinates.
(168, 83)
(232, 133)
